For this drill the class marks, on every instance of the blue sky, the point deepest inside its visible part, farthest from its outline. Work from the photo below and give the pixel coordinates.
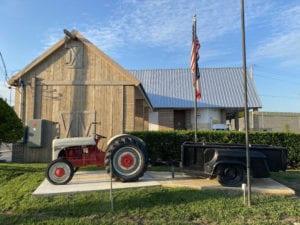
(157, 34)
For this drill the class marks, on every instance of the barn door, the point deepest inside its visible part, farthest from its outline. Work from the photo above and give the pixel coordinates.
(76, 124)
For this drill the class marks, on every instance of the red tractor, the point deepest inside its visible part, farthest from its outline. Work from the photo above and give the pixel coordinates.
(125, 157)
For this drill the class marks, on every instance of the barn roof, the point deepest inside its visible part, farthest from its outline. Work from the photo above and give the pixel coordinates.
(220, 88)
(13, 81)
(75, 35)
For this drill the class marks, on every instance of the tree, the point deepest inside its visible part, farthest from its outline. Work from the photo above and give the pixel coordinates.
(11, 127)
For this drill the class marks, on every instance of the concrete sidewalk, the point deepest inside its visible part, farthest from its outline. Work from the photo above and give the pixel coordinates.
(98, 180)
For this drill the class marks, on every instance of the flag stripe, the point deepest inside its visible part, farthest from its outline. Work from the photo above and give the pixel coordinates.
(194, 62)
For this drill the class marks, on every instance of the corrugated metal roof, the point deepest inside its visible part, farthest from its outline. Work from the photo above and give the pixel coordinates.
(220, 88)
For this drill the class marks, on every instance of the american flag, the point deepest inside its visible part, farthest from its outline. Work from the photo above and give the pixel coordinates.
(194, 62)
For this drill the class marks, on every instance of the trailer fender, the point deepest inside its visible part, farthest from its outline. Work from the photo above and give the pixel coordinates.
(230, 173)
(213, 173)
(258, 167)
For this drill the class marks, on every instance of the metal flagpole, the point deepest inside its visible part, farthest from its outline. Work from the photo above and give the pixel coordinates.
(195, 88)
(111, 186)
(246, 105)
(110, 164)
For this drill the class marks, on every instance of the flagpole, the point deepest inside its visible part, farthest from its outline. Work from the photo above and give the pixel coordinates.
(195, 88)
(246, 104)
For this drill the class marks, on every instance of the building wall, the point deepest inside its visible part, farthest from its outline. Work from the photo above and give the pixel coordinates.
(275, 121)
(207, 117)
(153, 121)
(166, 119)
(163, 119)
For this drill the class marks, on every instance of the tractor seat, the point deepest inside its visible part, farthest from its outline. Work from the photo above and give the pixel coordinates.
(76, 141)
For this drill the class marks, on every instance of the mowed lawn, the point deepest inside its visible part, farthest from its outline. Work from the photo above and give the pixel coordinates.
(138, 206)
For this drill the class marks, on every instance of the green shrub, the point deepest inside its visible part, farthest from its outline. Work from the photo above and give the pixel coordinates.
(165, 145)
(11, 127)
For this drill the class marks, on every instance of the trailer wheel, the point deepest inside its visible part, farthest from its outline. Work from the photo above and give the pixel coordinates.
(128, 159)
(59, 171)
(230, 175)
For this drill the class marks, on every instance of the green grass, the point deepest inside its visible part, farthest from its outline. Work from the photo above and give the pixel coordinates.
(134, 206)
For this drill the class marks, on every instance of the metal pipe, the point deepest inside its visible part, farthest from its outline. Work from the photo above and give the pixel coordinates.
(195, 88)
(246, 104)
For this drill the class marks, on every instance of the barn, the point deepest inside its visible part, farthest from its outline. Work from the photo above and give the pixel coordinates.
(77, 90)
(74, 89)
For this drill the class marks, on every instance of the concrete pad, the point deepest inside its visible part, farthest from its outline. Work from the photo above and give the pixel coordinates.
(261, 185)
(91, 181)
(100, 181)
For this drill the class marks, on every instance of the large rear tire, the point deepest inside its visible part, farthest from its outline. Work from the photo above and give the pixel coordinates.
(59, 171)
(127, 159)
(230, 175)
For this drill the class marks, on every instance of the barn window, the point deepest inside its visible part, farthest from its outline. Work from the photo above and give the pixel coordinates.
(74, 55)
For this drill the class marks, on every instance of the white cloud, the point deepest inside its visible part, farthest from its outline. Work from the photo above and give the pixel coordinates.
(104, 38)
(283, 46)
(167, 24)
(164, 23)
(283, 40)
(53, 35)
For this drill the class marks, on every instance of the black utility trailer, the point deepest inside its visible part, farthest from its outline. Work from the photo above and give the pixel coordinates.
(227, 162)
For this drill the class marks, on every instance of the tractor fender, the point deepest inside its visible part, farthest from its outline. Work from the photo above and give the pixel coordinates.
(55, 153)
(120, 136)
(58, 153)
(60, 144)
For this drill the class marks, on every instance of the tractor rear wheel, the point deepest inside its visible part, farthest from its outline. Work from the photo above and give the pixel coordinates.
(126, 159)
(59, 171)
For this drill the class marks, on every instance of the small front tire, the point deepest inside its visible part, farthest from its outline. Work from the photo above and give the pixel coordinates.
(59, 171)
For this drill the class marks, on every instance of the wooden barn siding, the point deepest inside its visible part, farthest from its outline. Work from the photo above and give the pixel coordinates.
(129, 108)
(106, 101)
(17, 102)
(146, 116)
(139, 115)
(142, 109)
(100, 90)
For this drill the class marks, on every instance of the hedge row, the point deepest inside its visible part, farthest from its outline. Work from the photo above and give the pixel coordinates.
(165, 145)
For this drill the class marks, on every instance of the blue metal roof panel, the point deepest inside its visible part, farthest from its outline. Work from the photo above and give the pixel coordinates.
(220, 88)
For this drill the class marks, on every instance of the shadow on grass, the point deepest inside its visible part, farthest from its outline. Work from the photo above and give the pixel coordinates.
(154, 204)
(148, 199)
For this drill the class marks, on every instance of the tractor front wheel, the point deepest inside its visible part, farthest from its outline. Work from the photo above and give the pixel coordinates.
(59, 171)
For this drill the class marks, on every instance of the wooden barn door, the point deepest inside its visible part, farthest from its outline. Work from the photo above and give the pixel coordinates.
(76, 124)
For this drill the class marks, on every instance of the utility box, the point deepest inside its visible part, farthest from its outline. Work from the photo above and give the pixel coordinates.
(35, 133)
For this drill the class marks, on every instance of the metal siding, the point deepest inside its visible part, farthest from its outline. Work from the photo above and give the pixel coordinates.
(220, 88)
